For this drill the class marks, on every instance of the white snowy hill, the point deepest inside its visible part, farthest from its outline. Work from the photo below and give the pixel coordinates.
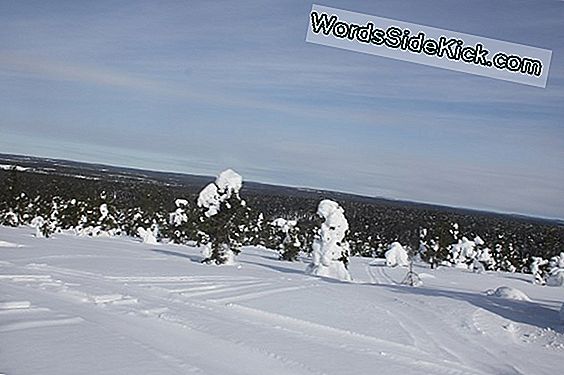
(71, 305)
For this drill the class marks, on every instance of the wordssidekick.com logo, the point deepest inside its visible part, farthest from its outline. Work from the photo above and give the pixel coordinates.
(430, 46)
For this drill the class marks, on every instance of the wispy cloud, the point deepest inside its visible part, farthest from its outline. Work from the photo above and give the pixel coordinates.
(194, 86)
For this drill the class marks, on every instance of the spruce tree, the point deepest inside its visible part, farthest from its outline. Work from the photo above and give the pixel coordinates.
(224, 219)
(288, 234)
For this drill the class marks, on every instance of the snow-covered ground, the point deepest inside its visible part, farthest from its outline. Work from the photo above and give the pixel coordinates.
(71, 305)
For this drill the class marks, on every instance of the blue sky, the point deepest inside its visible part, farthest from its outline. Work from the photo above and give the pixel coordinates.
(199, 86)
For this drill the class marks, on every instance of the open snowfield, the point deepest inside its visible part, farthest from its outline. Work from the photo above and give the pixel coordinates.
(71, 305)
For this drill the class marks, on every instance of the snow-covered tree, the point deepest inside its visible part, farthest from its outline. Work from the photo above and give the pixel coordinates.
(423, 246)
(256, 230)
(412, 278)
(68, 213)
(397, 255)
(181, 226)
(483, 259)
(41, 229)
(290, 245)
(556, 273)
(149, 236)
(9, 218)
(223, 220)
(440, 239)
(330, 249)
(462, 253)
(537, 270)
(99, 218)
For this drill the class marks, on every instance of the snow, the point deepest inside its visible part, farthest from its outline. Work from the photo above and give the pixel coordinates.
(536, 270)
(229, 182)
(8, 244)
(148, 236)
(14, 305)
(556, 277)
(209, 198)
(556, 273)
(178, 217)
(283, 224)
(463, 251)
(396, 256)
(103, 211)
(82, 305)
(181, 202)
(226, 184)
(328, 248)
(38, 223)
(508, 293)
(7, 167)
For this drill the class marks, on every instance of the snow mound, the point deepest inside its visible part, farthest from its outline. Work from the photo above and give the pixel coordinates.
(396, 255)
(424, 275)
(556, 278)
(8, 244)
(507, 292)
(15, 305)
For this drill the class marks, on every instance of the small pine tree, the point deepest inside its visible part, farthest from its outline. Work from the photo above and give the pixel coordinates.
(411, 278)
(181, 224)
(288, 232)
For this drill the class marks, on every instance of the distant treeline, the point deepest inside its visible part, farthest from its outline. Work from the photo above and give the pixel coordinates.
(71, 202)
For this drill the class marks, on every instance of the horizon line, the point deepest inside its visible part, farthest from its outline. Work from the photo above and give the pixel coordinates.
(559, 220)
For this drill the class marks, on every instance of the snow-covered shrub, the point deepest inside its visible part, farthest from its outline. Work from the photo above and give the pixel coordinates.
(181, 225)
(483, 260)
(397, 256)
(9, 218)
(99, 221)
(462, 253)
(556, 273)
(149, 236)
(507, 292)
(412, 278)
(256, 229)
(39, 224)
(289, 247)
(223, 220)
(330, 250)
(439, 239)
(536, 269)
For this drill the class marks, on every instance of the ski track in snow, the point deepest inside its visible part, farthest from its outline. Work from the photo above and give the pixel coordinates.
(303, 329)
(41, 323)
(422, 336)
(157, 312)
(378, 275)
